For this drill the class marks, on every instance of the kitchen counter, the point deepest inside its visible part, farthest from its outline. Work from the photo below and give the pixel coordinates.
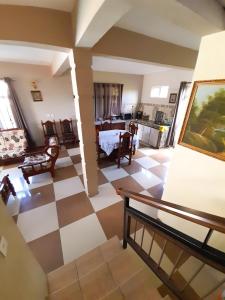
(113, 122)
(151, 134)
(150, 124)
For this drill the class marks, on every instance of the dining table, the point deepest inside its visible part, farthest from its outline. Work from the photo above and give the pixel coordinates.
(109, 140)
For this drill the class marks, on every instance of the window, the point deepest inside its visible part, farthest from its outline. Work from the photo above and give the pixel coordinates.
(160, 91)
(6, 116)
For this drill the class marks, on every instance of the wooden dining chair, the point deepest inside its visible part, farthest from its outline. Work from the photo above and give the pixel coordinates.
(68, 135)
(106, 125)
(125, 148)
(133, 129)
(98, 148)
(49, 130)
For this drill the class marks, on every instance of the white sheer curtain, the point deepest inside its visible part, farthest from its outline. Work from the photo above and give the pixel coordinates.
(7, 119)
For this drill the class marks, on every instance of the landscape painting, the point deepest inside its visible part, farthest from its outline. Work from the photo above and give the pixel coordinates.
(204, 125)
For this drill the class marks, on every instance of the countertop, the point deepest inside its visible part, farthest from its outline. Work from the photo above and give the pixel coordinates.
(113, 122)
(150, 124)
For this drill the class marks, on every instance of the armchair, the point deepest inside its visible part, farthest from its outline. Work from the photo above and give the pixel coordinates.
(40, 162)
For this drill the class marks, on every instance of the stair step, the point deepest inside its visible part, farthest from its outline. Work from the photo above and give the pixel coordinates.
(125, 265)
(139, 287)
(69, 292)
(62, 277)
(107, 272)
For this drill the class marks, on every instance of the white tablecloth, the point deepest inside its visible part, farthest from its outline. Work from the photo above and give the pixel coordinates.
(109, 140)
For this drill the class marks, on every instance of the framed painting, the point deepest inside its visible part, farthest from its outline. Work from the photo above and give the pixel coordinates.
(173, 98)
(204, 124)
(36, 95)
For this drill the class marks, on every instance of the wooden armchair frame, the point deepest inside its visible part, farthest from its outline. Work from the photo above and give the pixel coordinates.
(6, 188)
(30, 170)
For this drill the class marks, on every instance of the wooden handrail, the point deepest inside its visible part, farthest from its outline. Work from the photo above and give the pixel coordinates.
(205, 219)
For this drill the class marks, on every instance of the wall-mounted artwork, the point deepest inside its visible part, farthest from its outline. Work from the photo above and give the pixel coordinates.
(173, 98)
(204, 125)
(36, 95)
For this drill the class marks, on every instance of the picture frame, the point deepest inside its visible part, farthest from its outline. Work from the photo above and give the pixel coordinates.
(36, 95)
(173, 98)
(203, 129)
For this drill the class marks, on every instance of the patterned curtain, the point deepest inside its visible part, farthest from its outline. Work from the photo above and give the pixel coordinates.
(108, 99)
(17, 111)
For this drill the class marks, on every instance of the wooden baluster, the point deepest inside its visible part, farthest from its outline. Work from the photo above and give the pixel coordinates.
(150, 249)
(126, 222)
(176, 263)
(192, 277)
(163, 251)
(208, 236)
(135, 230)
(142, 237)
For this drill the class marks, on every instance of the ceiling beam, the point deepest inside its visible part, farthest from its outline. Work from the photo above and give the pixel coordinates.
(95, 17)
(123, 43)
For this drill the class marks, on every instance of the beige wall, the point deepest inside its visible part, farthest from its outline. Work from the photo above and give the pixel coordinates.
(36, 25)
(124, 43)
(21, 276)
(196, 180)
(56, 91)
(132, 88)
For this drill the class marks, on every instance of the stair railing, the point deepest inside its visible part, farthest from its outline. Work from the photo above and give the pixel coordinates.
(188, 245)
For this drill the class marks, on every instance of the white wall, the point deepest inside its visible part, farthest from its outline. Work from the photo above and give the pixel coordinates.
(57, 95)
(132, 88)
(196, 180)
(171, 78)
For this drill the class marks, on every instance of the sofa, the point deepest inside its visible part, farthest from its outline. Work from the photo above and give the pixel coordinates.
(13, 145)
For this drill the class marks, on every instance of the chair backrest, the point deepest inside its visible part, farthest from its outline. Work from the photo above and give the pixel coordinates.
(133, 128)
(49, 128)
(66, 126)
(125, 143)
(52, 152)
(106, 125)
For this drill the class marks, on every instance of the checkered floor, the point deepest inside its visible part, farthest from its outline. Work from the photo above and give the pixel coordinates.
(57, 219)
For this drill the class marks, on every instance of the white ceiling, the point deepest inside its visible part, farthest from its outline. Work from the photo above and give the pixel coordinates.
(106, 64)
(27, 55)
(172, 21)
(64, 5)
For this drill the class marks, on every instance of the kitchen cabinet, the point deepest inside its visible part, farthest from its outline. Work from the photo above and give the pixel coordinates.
(140, 131)
(154, 137)
(146, 134)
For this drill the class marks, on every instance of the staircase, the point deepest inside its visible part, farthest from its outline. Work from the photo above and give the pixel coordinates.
(106, 272)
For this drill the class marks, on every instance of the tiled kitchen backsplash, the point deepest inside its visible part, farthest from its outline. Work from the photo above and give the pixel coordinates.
(151, 109)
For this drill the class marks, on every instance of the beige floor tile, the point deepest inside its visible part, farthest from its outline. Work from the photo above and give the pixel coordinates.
(62, 277)
(97, 284)
(111, 248)
(70, 292)
(124, 266)
(88, 262)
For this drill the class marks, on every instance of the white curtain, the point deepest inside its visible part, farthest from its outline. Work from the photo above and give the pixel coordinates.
(7, 119)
